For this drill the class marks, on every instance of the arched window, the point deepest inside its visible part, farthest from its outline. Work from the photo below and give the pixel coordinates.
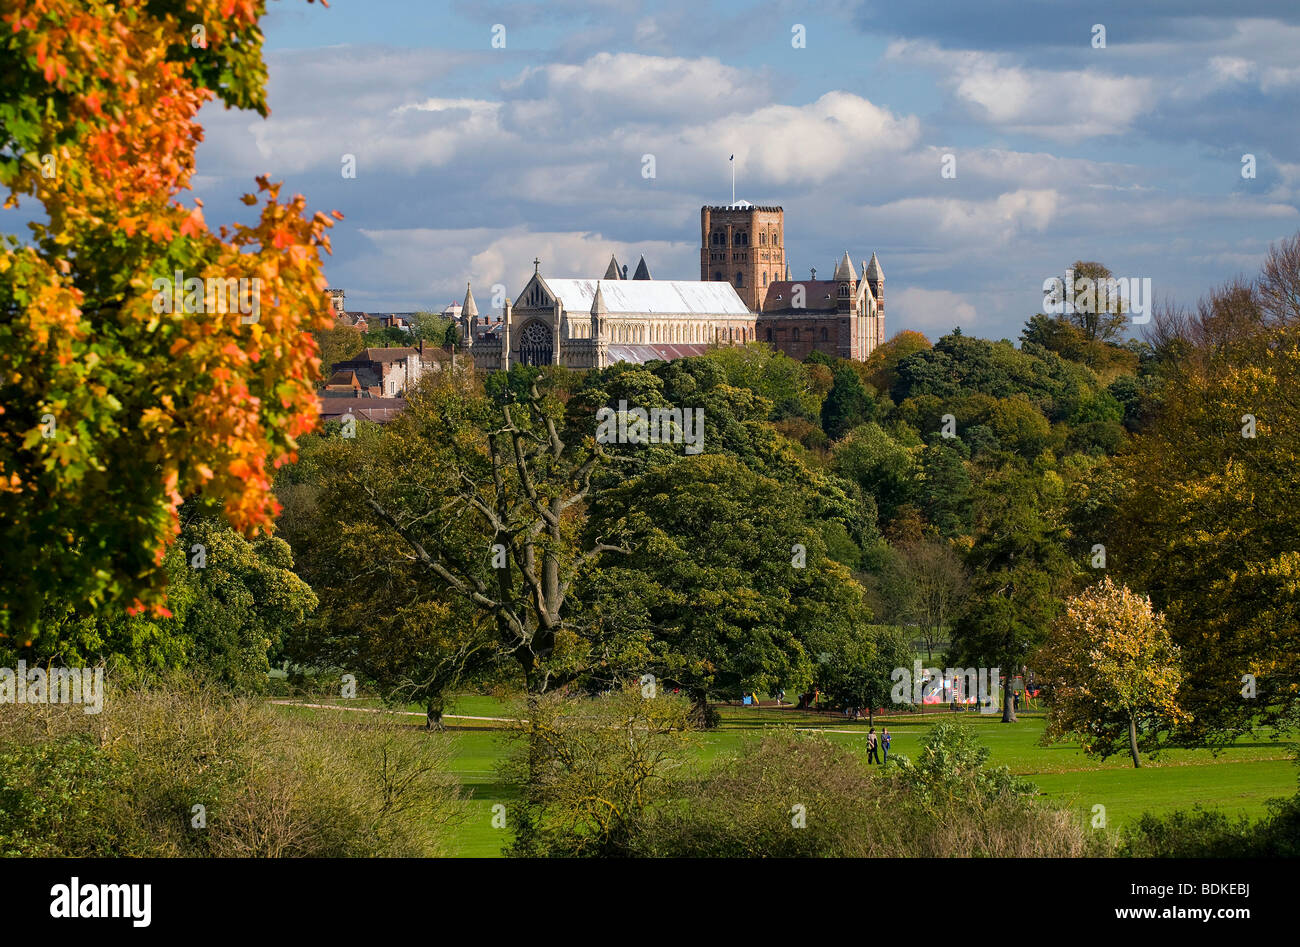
(740, 278)
(769, 335)
(764, 279)
(717, 275)
(796, 335)
(762, 239)
(823, 335)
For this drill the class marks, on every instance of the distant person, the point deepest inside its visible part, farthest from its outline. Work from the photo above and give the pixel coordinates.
(885, 737)
(873, 755)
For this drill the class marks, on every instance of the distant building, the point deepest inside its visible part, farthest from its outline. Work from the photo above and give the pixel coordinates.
(385, 373)
(592, 323)
(745, 293)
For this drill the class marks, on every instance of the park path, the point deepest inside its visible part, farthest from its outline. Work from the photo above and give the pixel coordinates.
(380, 710)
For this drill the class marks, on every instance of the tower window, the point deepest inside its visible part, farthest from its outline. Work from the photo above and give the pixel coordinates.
(740, 278)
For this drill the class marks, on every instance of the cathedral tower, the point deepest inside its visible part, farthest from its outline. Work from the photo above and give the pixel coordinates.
(743, 244)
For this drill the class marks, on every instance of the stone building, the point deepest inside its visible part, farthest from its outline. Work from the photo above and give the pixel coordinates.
(744, 294)
(592, 323)
(843, 317)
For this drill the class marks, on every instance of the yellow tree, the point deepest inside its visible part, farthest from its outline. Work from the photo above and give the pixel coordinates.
(1111, 672)
(144, 358)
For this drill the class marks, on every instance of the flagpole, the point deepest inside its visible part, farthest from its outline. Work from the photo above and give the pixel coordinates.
(733, 180)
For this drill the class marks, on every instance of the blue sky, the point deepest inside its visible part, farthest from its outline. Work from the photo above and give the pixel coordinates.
(471, 160)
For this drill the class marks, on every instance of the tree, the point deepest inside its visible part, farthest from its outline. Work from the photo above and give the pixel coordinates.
(379, 617)
(939, 586)
(1111, 672)
(431, 327)
(1209, 514)
(855, 668)
(489, 502)
(1097, 313)
(879, 464)
(123, 391)
(731, 575)
(231, 601)
(338, 343)
(1019, 569)
(848, 404)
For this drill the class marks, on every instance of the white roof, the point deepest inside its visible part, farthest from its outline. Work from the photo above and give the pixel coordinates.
(660, 296)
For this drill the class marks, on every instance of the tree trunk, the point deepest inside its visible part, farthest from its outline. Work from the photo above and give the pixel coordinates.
(1008, 704)
(433, 717)
(700, 710)
(1133, 741)
(870, 721)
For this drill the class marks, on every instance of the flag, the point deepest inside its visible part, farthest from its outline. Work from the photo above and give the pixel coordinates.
(732, 158)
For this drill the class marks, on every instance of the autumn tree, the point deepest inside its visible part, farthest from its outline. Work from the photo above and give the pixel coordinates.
(1111, 672)
(1210, 506)
(123, 391)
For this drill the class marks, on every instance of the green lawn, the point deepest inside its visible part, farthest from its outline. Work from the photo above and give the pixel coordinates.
(1237, 780)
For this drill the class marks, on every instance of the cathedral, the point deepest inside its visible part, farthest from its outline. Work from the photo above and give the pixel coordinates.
(744, 294)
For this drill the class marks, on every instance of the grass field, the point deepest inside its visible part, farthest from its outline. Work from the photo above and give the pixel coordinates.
(1237, 780)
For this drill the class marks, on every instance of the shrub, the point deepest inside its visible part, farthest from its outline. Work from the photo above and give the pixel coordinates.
(272, 784)
(800, 795)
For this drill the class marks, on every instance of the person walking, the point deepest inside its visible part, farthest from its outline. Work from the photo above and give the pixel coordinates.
(885, 737)
(872, 755)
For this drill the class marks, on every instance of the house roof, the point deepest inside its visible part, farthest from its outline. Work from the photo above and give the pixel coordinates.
(660, 297)
(820, 295)
(396, 353)
(363, 409)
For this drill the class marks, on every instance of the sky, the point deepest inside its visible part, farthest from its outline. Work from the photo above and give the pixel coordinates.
(486, 134)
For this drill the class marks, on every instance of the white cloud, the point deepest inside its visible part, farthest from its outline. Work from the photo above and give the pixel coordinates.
(1058, 104)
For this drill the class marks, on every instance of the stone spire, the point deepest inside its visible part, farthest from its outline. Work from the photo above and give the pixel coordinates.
(642, 271)
(612, 271)
(468, 318)
(845, 270)
(874, 272)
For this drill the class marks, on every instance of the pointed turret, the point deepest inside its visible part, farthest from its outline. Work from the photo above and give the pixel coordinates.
(642, 271)
(874, 272)
(468, 318)
(598, 312)
(876, 280)
(613, 271)
(845, 270)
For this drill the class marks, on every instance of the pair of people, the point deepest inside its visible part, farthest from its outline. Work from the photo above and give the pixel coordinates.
(877, 743)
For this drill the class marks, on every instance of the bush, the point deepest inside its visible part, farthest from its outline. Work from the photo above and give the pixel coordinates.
(800, 795)
(272, 784)
(1209, 834)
